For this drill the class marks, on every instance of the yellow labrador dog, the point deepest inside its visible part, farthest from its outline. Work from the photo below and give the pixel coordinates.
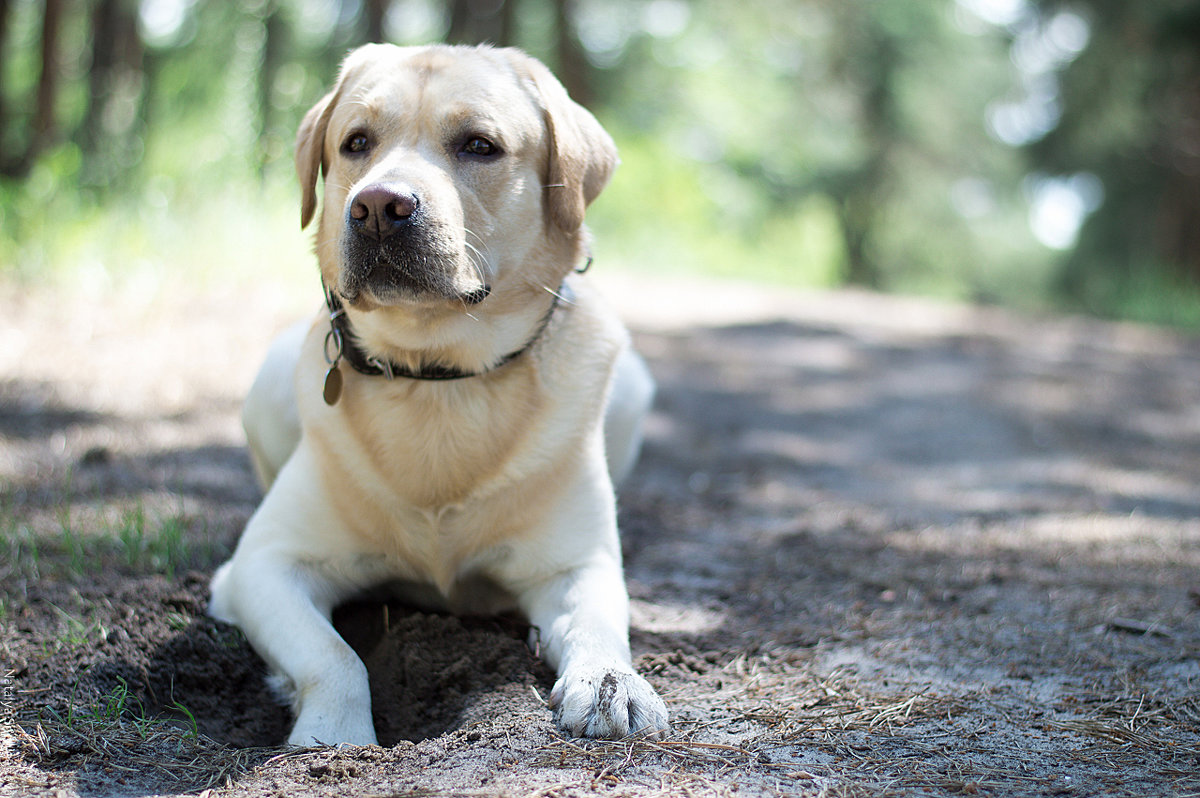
(453, 423)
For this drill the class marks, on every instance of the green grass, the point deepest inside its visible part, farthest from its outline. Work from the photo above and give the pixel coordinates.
(75, 632)
(118, 713)
(115, 731)
(22, 551)
(163, 234)
(160, 548)
(137, 542)
(193, 728)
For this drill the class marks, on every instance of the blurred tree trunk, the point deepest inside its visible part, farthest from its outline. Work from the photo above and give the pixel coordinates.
(856, 222)
(374, 14)
(868, 65)
(45, 121)
(1130, 116)
(274, 46)
(100, 74)
(1179, 142)
(114, 118)
(1179, 223)
(5, 8)
(572, 66)
(508, 23)
(463, 26)
(482, 21)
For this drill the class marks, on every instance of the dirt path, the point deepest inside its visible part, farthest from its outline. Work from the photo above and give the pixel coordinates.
(876, 546)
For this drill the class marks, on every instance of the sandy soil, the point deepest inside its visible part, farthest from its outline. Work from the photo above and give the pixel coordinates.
(875, 546)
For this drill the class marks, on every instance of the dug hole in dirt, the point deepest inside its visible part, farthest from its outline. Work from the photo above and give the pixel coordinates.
(875, 546)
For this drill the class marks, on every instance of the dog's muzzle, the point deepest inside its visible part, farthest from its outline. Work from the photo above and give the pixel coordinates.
(392, 249)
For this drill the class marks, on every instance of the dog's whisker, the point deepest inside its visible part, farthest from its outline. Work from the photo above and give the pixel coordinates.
(482, 250)
(555, 293)
(338, 187)
(475, 251)
(478, 237)
(479, 262)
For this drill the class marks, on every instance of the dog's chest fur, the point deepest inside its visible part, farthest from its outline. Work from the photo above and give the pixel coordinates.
(436, 476)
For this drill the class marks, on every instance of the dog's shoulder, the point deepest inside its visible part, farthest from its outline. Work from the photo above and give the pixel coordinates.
(582, 344)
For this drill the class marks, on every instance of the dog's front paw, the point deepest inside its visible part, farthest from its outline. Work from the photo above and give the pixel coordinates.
(340, 718)
(607, 702)
(312, 731)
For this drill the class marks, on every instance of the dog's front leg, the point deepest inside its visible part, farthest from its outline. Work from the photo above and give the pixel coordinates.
(288, 573)
(284, 611)
(581, 624)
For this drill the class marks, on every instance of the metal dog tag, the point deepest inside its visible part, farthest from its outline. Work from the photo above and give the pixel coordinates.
(333, 385)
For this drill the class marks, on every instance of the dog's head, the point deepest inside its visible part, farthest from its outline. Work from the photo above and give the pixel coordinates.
(450, 173)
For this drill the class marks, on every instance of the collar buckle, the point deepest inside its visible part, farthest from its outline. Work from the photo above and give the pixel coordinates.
(384, 366)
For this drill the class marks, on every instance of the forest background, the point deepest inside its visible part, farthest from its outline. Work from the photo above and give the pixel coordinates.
(1043, 154)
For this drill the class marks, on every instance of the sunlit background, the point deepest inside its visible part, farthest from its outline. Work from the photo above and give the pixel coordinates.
(1043, 154)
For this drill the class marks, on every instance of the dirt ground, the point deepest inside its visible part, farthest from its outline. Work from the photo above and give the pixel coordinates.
(875, 546)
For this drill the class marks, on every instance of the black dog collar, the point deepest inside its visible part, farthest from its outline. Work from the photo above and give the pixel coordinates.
(342, 344)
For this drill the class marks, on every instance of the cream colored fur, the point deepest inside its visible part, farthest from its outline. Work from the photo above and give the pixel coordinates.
(482, 493)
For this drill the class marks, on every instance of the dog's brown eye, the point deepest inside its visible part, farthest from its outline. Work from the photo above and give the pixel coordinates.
(356, 143)
(477, 145)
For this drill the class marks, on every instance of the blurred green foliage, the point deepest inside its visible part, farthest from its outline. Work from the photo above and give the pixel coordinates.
(1038, 153)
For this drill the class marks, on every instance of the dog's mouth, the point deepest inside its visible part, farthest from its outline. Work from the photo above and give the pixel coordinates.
(386, 274)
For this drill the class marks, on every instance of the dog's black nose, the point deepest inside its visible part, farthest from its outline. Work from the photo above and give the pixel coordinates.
(380, 210)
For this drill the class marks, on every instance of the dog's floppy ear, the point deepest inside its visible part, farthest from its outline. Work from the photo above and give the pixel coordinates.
(582, 155)
(310, 139)
(310, 152)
